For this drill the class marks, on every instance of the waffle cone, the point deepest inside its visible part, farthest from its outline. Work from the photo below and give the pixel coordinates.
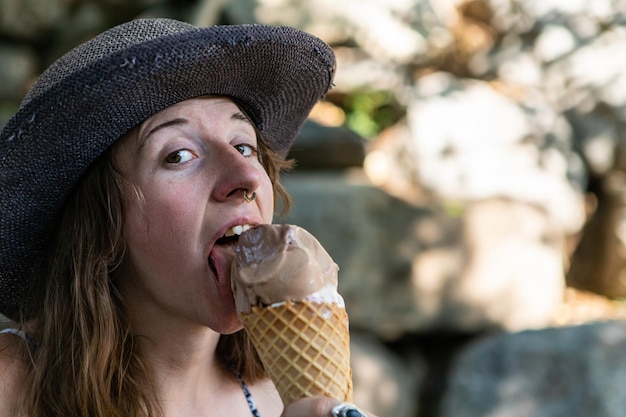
(305, 348)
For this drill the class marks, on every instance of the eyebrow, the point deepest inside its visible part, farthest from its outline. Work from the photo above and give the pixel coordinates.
(181, 121)
(241, 117)
(173, 122)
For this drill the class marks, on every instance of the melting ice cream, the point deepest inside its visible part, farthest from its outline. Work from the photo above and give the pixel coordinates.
(278, 263)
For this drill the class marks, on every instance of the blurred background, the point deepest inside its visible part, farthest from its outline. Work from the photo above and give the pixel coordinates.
(467, 174)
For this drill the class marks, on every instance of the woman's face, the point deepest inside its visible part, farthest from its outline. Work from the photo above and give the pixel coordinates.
(191, 164)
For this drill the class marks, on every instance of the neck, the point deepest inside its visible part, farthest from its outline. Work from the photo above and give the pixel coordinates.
(186, 373)
(182, 353)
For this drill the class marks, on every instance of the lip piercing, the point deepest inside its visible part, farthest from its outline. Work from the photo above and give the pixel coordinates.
(248, 198)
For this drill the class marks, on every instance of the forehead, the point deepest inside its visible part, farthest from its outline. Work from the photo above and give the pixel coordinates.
(202, 105)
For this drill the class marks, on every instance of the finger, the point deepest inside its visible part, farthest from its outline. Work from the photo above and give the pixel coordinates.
(310, 407)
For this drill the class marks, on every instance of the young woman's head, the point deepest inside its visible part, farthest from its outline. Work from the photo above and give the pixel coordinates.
(192, 163)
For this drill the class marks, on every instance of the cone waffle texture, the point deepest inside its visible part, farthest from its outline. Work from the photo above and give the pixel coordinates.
(305, 347)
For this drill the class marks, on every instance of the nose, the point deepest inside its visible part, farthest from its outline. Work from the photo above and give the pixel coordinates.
(236, 174)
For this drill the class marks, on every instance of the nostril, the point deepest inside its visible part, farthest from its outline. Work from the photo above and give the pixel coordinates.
(238, 193)
(234, 192)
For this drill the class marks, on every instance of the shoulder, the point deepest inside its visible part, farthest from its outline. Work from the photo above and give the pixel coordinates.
(266, 397)
(13, 362)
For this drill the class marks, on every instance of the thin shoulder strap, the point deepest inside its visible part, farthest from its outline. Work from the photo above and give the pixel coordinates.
(20, 333)
(16, 332)
(246, 392)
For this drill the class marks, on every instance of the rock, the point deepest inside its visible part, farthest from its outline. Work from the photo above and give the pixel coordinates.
(508, 271)
(497, 146)
(321, 147)
(383, 383)
(557, 372)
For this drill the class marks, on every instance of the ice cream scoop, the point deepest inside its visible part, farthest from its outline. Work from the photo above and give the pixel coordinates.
(277, 263)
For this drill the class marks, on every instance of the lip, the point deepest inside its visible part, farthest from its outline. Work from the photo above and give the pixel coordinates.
(234, 222)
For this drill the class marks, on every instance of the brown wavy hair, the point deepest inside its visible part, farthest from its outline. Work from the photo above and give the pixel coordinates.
(86, 361)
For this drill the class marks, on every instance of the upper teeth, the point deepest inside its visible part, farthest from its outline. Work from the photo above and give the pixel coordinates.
(236, 230)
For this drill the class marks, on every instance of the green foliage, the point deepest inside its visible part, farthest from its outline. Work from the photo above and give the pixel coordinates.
(369, 112)
(454, 208)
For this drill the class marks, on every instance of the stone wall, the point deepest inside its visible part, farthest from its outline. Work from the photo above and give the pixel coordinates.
(462, 228)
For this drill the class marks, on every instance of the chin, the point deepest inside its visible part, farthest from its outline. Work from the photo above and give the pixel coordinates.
(231, 327)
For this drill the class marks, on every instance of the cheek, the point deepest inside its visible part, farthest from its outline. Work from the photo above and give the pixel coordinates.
(160, 240)
(154, 216)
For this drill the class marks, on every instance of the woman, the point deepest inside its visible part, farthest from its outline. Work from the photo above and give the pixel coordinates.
(127, 167)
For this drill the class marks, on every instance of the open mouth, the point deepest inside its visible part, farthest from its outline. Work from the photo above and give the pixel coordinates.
(231, 236)
(227, 241)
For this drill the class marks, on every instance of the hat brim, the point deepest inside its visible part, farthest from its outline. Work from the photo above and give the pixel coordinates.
(100, 90)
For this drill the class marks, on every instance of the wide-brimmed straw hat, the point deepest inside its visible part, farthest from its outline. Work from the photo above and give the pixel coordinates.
(100, 90)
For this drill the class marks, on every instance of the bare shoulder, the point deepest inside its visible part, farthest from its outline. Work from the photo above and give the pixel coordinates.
(266, 398)
(13, 362)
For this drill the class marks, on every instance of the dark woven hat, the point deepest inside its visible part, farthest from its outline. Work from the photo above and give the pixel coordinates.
(101, 89)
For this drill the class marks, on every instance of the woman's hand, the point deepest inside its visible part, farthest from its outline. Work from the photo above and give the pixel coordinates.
(314, 407)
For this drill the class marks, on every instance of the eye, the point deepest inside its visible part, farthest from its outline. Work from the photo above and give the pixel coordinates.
(178, 157)
(246, 150)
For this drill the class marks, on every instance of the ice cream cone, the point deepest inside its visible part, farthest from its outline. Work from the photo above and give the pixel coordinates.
(285, 289)
(305, 347)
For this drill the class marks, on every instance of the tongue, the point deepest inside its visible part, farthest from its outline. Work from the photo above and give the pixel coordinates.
(220, 261)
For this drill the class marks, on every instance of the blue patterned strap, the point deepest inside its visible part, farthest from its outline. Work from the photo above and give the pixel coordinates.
(20, 333)
(16, 332)
(246, 392)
